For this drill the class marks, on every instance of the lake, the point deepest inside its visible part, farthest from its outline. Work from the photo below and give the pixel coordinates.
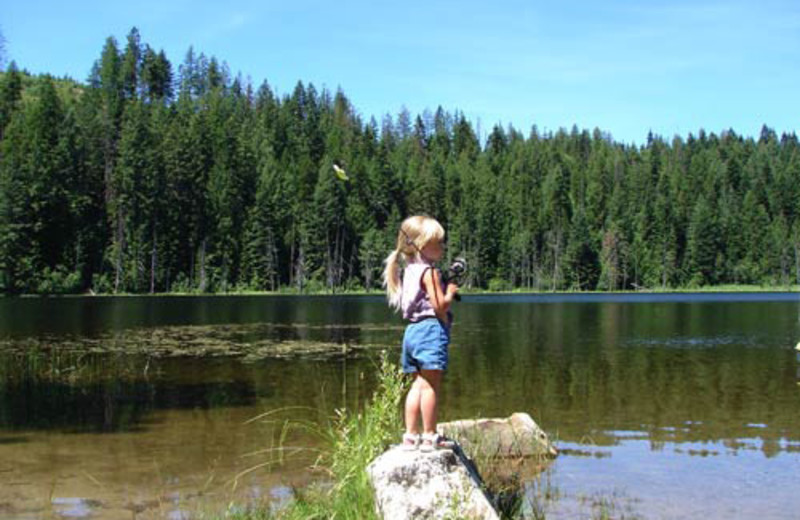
(663, 405)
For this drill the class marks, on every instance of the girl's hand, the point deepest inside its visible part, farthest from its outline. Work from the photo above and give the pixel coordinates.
(452, 290)
(440, 300)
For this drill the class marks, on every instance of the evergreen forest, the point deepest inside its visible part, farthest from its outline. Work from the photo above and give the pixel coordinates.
(153, 177)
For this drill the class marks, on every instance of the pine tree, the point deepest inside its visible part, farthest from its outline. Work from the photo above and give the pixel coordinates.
(702, 244)
(131, 65)
(581, 255)
(187, 162)
(554, 218)
(10, 95)
(156, 76)
(136, 183)
(88, 199)
(373, 247)
(261, 263)
(612, 254)
(36, 174)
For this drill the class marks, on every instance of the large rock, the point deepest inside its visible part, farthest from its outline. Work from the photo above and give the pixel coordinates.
(419, 485)
(517, 436)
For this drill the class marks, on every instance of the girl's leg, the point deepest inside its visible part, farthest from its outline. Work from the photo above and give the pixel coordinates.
(412, 408)
(429, 381)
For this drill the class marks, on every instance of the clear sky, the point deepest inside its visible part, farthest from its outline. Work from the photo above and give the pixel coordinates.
(626, 67)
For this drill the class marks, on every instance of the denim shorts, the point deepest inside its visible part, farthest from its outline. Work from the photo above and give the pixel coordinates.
(425, 346)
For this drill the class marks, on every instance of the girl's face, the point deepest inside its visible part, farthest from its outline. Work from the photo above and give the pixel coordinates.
(433, 250)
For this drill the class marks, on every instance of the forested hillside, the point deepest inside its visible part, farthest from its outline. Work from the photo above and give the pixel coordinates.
(152, 177)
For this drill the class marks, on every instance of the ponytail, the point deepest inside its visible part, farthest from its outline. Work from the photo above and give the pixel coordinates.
(414, 233)
(391, 279)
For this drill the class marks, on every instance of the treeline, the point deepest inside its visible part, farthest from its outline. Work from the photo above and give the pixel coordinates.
(152, 178)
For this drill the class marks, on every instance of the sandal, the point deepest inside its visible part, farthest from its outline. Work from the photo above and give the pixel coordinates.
(410, 441)
(434, 441)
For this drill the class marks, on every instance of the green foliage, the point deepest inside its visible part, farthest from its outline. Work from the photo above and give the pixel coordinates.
(59, 281)
(499, 284)
(702, 243)
(10, 95)
(214, 186)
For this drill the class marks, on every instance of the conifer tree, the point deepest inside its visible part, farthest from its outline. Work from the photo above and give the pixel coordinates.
(131, 65)
(36, 173)
(702, 240)
(10, 95)
(581, 255)
(135, 183)
(123, 183)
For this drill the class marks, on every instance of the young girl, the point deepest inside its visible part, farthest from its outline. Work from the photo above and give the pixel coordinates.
(425, 302)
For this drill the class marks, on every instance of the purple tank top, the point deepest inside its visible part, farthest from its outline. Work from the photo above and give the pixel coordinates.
(414, 299)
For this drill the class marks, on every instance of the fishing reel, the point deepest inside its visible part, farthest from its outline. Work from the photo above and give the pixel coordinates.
(456, 273)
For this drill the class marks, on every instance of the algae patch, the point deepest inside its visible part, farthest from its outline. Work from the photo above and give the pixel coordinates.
(249, 342)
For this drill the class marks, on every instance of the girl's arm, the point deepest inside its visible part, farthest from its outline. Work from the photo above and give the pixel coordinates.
(440, 301)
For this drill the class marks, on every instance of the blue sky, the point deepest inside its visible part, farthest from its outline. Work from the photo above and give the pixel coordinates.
(625, 67)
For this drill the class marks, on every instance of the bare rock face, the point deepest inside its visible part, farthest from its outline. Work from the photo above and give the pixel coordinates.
(446, 484)
(517, 436)
(440, 484)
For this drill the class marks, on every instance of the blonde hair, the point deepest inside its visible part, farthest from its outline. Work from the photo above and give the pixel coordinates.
(415, 233)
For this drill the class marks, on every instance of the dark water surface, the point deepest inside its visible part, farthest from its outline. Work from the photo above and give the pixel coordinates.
(664, 406)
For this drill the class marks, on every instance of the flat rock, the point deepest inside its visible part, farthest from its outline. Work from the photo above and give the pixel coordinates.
(517, 436)
(440, 484)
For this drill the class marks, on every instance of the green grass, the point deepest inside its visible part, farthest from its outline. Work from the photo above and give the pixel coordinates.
(351, 440)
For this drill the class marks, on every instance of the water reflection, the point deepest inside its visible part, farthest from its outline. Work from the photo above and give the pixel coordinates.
(798, 368)
(74, 507)
(141, 405)
(593, 369)
(177, 443)
(25, 317)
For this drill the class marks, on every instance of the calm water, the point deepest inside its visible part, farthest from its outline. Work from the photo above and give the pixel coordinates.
(664, 406)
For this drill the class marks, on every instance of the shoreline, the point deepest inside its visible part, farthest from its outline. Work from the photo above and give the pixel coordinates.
(728, 288)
